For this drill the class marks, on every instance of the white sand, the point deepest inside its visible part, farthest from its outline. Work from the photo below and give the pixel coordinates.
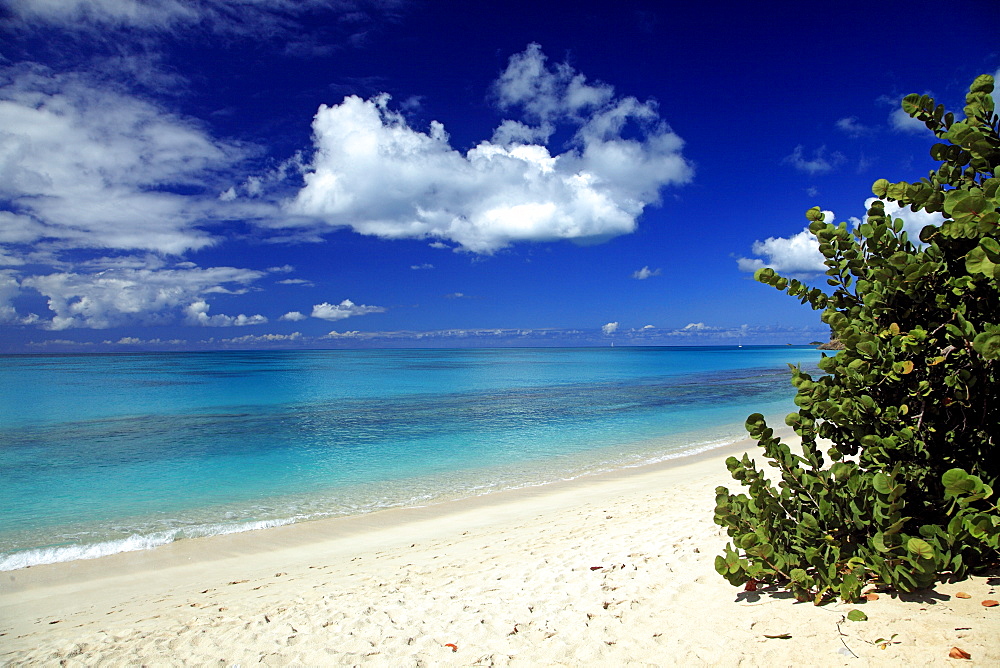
(611, 570)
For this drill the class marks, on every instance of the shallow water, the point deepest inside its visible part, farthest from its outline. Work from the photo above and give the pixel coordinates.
(107, 453)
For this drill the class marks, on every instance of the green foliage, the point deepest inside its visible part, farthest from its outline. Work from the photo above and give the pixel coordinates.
(910, 408)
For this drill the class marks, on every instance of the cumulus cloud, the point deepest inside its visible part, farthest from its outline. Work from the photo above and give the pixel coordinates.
(128, 295)
(10, 288)
(610, 328)
(799, 254)
(197, 314)
(820, 162)
(83, 165)
(293, 316)
(645, 272)
(913, 221)
(345, 309)
(374, 173)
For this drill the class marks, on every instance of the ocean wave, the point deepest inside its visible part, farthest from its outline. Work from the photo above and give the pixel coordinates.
(11, 561)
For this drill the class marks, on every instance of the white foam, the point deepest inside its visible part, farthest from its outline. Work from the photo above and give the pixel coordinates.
(52, 555)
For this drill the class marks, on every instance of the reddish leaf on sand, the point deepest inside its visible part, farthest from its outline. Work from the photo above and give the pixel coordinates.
(751, 585)
(596, 568)
(958, 653)
(962, 594)
(454, 647)
(990, 603)
(871, 596)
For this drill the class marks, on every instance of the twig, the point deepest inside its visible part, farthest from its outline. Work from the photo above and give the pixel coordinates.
(844, 635)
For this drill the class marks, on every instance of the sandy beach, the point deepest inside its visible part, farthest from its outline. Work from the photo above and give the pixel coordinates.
(609, 570)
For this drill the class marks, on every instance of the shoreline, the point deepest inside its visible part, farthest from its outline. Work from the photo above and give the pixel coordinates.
(296, 535)
(556, 470)
(609, 568)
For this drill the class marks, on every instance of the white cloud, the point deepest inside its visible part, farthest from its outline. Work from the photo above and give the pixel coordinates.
(10, 288)
(913, 221)
(135, 341)
(352, 334)
(375, 174)
(547, 95)
(852, 128)
(610, 328)
(996, 88)
(799, 254)
(259, 18)
(197, 314)
(820, 163)
(695, 327)
(426, 265)
(796, 254)
(344, 309)
(123, 295)
(265, 338)
(645, 272)
(900, 121)
(86, 166)
(293, 316)
(295, 281)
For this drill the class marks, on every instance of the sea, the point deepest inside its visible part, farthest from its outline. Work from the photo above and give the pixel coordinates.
(111, 453)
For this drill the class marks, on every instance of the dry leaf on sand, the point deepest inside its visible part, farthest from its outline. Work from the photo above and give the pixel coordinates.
(958, 653)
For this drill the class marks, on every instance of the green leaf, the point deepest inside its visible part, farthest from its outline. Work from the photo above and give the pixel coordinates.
(987, 344)
(956, 481)
(982, 84)
(878, 542)
(880, 482)
(978, 262)
(857, 616)
(919, 548)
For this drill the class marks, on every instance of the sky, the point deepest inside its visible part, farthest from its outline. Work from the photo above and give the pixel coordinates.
(244, 174)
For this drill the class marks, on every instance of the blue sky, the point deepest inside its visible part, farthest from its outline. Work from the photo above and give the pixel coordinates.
(342, 173)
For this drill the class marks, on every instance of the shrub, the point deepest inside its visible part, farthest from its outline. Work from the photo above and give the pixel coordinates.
(908, 409)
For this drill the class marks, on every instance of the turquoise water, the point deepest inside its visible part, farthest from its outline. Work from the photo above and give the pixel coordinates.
(107, 453)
